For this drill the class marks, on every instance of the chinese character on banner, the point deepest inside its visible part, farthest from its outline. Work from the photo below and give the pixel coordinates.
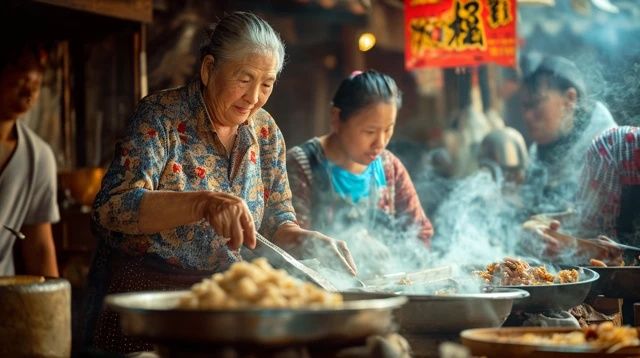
(450, 33)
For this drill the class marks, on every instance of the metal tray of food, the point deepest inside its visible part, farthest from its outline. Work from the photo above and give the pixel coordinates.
(153, 316)
(617, 282)
(497, 342)
(452, 313)
(557, 296)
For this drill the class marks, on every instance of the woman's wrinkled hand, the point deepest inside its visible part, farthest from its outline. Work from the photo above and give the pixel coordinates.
(230, 217)
(330, 252)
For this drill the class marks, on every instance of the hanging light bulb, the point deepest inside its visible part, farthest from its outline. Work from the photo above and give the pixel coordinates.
(366, 41)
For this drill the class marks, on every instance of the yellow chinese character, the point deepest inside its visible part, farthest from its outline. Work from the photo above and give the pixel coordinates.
(426, 34)
(465, 30)
(500, 13)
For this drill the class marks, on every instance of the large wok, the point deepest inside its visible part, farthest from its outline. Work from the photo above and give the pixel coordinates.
(154, 317)
(560, 296)
(451, 313)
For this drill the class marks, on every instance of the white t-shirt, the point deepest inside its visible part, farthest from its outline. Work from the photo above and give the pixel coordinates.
(27, 191)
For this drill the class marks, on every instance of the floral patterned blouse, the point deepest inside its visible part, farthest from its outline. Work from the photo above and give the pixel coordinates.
(171, 145)
(612, 167)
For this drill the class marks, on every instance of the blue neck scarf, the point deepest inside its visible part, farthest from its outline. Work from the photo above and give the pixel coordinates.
(356, 186)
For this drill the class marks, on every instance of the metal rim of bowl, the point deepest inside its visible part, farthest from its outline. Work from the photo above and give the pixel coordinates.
(122, 301)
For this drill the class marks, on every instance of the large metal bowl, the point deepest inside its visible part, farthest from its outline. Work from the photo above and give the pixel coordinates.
(452, 313)
(561, 296)
(154, 317)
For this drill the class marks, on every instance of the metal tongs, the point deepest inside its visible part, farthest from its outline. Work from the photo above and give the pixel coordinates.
(281, 259)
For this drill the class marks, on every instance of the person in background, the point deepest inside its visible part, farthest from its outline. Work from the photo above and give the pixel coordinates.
(199, 173)
(562, 121)
(346, 179)
(27, 164)
(607, 210)
(607, 204)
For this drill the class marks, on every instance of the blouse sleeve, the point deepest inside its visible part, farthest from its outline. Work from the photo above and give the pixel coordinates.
(138, 161)
(278, 207)
(408, 208)
(300, 187)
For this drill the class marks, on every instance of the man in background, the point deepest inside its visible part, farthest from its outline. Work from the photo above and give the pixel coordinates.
(27, 165)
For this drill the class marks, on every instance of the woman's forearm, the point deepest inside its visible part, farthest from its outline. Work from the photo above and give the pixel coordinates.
(164, 210)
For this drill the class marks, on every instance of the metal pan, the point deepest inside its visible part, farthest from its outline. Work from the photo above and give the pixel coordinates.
(560, 296)
(154, 317)
(617, 282)
(452, 313)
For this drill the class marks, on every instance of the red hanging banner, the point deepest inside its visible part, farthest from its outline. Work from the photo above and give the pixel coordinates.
(450, 33)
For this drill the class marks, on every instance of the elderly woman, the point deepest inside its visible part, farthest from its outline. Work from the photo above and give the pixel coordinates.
(201, 169)
(346, 183)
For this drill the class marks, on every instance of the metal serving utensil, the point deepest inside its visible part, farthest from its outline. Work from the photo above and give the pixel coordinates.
(625, 247)
(282, 259)
(15, 233)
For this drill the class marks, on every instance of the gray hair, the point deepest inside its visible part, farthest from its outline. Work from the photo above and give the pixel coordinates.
(239, 34)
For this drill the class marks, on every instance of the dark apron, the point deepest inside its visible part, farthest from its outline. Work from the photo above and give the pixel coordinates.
(628, 232)
(628, 224)
(115, 272)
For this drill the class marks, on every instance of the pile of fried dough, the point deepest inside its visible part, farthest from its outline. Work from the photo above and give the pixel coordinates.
(516, 272)
(257, 284)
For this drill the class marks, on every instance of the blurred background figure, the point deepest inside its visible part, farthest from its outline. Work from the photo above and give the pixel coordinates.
(562, 121)
(481, 209)
(463, 138)
(504, 152)
(607, 203)
(27, 164)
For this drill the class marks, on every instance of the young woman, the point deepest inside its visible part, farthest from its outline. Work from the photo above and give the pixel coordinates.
(346, 180)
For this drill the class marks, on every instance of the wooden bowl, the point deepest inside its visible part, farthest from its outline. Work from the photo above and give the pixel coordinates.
(493, 342)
